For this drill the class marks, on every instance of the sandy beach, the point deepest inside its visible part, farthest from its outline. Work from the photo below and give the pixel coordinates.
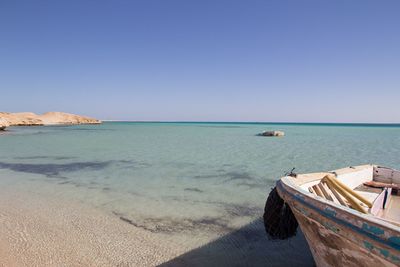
(37, 231)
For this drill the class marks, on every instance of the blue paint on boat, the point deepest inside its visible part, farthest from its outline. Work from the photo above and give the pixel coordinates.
(372, 233)
(368, 245)
(395, 240)
(300, 196)
(330, 211)
(384, 252)
(372, 229)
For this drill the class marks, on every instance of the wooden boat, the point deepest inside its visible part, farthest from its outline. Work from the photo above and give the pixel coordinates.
(345, 222)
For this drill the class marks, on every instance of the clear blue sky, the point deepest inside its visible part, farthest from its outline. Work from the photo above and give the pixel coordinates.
(333, 61)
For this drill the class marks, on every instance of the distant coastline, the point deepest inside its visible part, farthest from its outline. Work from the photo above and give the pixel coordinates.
(49, 118)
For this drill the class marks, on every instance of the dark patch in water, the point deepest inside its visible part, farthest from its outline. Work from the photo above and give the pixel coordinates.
(238, 176)
(54, 170)
(230, 176)
(205, 176)
(195, 189)
(33, 157)
(167, 225)
(237, 210)
(252, 185)
(46, 157)
(230, 209)
(205, 224)
(127, 164)
(66, 182)
(106, 189)
(125, 161)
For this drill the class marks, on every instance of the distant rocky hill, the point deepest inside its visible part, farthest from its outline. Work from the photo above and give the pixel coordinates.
(49, 118)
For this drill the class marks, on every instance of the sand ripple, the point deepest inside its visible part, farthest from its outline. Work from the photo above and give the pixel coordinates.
(36, 231)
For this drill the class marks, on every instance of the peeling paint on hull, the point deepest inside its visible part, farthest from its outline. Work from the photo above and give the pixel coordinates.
(332, 249)
(341, 237)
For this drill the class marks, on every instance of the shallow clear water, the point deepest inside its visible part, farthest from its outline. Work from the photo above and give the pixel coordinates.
(197, 184)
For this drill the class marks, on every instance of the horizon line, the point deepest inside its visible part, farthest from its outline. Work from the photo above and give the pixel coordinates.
(259, 122)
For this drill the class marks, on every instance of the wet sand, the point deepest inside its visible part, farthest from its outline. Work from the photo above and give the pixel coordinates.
(36, 231)
(42, 229)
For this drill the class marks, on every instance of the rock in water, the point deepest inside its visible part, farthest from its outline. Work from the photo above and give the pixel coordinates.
(273, 133)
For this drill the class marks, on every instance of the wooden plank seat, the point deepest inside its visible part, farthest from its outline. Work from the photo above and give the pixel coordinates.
(323, 190)
(333, 190)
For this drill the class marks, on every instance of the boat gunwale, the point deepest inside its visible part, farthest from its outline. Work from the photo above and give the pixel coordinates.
(316, 176)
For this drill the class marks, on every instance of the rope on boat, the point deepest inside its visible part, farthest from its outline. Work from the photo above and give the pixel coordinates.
(279, 220)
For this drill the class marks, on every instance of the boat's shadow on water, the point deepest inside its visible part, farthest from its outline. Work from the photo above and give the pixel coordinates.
(248, 246)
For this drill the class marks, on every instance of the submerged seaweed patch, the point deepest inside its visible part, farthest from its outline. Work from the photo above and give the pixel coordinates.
(229, 176)
(229, 209)
(205, 176)
(46, 157)
(194, 189)
(252, 185)
(54, 169)
(238, 176)
(167, 225)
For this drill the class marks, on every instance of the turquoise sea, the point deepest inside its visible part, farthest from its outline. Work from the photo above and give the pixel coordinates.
(202, 186)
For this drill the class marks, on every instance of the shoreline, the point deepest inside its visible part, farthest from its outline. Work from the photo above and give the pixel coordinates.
(39, 232)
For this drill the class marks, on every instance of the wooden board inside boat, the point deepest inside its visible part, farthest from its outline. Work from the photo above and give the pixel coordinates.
(392, 210)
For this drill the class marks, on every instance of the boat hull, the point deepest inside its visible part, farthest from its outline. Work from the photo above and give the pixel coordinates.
(341, 238)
